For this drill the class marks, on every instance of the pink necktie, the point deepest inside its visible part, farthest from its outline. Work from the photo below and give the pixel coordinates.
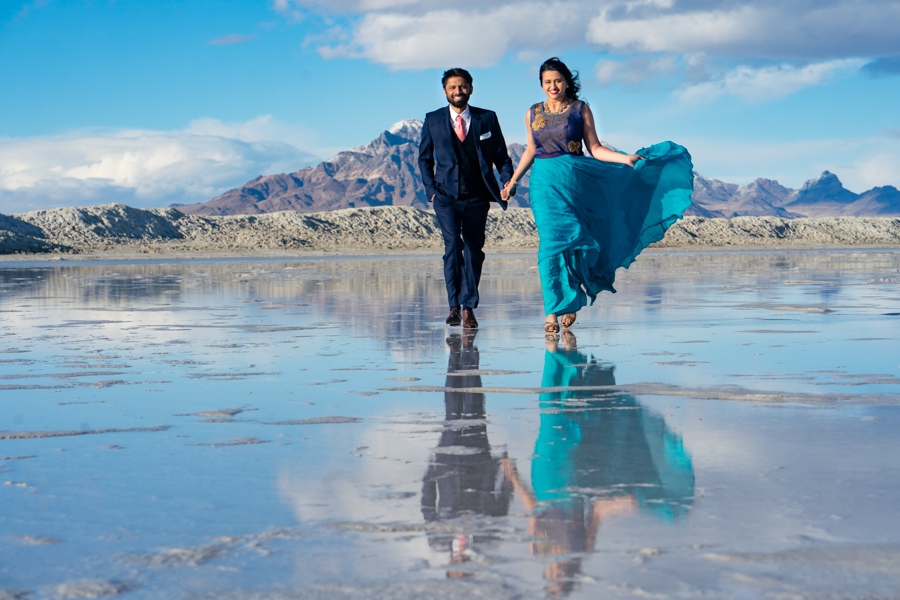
(460, 128)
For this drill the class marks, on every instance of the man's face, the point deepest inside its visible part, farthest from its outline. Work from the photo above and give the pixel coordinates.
(458, 92)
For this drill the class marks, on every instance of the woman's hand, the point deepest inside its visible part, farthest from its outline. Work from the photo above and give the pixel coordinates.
(505, 192)
(633, 159)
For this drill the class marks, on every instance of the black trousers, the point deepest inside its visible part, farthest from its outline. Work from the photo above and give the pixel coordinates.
(462, 227)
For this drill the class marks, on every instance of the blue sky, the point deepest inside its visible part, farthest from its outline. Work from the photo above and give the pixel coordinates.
(150, 103)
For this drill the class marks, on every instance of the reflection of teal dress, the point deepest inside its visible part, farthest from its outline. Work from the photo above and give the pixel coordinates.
(596, 443)
(593, 216)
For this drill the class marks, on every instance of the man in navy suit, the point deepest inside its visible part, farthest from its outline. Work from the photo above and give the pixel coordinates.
(460, 147)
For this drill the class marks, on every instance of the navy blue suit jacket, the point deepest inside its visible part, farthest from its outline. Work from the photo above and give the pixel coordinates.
(439, 165)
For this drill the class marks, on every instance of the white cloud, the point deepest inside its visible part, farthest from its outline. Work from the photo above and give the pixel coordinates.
(637, 69)
(370, 6)
(231, 38)
(367, 5)
(413, 34)
(263, 128)
(648, 40)
(406, 42)
(474, 37)
(775, 30)
(692, 32)
(288, 9)
(145, 168)
(878, 168)
(766, 83)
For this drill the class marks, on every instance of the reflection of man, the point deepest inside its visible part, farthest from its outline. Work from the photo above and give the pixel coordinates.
(459, 148)
(598, 455)
(463, 477)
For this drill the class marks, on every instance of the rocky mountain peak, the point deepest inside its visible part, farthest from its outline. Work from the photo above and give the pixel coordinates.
(770, 187)
(824, 188)
(408, 129)
(826, 180)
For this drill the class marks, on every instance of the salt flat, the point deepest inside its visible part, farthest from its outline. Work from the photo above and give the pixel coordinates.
(114, 230)
(725, 426)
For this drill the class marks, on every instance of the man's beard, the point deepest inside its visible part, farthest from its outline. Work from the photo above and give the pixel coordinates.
(461, 103)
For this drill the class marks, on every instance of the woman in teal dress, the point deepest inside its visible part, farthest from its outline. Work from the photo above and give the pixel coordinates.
(593, 213)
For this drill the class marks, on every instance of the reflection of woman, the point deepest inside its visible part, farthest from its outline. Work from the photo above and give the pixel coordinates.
(598, 455)
(593, 216)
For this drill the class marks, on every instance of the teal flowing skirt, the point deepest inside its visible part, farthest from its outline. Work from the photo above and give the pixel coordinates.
(594, 217)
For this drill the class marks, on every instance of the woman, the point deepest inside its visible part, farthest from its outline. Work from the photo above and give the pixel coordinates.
(593, 215)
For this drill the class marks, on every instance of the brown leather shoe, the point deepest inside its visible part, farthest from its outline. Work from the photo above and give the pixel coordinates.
(469, 321)
(454, 319)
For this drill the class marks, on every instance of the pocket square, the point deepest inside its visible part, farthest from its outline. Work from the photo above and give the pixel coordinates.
(485, 136)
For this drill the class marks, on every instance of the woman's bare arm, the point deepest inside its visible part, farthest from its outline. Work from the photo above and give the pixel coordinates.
(592, 141)
(512, 475)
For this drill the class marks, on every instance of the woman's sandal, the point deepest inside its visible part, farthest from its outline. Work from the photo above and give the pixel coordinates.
(551, 326)
(568, 320)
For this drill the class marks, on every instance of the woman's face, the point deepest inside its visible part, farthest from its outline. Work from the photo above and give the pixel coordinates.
(554, 84)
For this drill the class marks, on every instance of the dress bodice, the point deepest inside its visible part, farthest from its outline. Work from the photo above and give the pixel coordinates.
(557, 134)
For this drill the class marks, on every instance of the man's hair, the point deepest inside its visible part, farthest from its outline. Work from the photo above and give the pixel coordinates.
(456, 72)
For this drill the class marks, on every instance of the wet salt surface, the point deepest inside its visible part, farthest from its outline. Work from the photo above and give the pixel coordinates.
(724, 426)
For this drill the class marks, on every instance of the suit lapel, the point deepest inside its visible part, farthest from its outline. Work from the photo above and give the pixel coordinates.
(448, 128)
(475, 127)
(475, 130)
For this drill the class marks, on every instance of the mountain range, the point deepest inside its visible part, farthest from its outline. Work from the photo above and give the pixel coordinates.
(385, 172)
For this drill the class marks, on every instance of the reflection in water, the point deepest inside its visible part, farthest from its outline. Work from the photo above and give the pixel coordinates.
(364, 481)
(463, 477)
(353, 284)
(398, 298)
(598, 455)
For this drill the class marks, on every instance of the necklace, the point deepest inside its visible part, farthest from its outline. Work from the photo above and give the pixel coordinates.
(562, 109)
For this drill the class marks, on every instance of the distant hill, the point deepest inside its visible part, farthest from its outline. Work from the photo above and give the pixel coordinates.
(385, 172)
(116, 230)
(826, 197)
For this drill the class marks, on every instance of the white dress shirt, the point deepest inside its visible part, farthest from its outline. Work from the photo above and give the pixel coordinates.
(466, 115)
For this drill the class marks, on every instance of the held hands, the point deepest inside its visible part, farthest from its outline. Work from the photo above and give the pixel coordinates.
(508, 191)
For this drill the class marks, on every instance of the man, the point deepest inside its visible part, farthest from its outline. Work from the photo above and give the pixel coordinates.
(460, 146)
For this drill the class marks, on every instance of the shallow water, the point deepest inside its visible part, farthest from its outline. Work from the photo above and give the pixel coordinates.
(724, 426)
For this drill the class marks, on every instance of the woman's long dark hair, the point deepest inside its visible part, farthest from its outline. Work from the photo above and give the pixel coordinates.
(573, 86)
